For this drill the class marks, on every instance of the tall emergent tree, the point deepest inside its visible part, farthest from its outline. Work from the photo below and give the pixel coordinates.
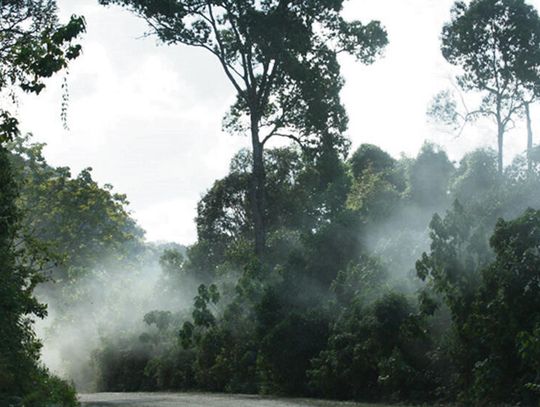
(497, 45)
(281, 58)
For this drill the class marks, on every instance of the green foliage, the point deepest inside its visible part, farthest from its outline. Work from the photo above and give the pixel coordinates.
(506, 313)
(496, 43)
(72, 218)
(476, 177)
(529, 352)
(375, 194)
(327, 317)
(429, 176)
(285, 71)
(34, 45)
(373, 352)
(86, 245)
(122, 363)
(153, 360)
(21, 376)
(370, 157)
(281, 58)
(50, 390)
(286, 350)
(172, 262)
(335, 310)
(489, 293)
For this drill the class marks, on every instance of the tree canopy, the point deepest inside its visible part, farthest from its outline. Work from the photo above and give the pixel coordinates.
(33, 46)
(496, 43)
(281, 58)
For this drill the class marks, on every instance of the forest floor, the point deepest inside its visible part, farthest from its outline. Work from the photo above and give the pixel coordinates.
(203, 400)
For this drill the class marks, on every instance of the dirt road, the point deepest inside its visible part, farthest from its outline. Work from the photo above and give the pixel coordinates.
(199, 400)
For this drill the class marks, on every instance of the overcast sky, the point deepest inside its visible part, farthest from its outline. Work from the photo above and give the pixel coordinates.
(147, 117)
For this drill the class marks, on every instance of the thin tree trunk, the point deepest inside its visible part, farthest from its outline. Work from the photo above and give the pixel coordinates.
(500, 136)
(529, 138)
(258, 193)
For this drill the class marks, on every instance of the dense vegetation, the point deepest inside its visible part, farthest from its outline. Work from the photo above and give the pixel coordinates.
(344, 311)
(34, 45)
(316, 272)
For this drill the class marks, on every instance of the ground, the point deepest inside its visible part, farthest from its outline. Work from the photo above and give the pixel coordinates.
(201, 400)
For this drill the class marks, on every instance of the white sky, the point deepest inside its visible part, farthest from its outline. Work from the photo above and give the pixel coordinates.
(147, 118)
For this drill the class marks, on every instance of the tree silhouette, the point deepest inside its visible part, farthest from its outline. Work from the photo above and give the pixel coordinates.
(281, 58)
(497, 45)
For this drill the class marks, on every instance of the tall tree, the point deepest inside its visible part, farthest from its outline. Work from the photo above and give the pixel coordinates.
(527, 109)
(281, 58)
(497, 45)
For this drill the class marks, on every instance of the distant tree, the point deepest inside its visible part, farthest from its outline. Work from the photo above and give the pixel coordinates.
(476, 177)
(497, 45)
(429, 175)
(530, 145)
(281, 58)
(370, 156)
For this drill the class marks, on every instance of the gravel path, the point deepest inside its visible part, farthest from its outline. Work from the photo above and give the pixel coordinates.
(200, 400)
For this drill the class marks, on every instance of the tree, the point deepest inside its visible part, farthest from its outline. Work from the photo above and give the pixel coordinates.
(18, 348)
(506, 311)
(429, 177)
(72, 215)
(22, 379)
(497, 45)
(281, 58)
(33, 46)
(369, 156)
(530, 150)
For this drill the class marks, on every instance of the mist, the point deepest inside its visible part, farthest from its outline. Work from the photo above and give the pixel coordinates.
(110, 302)
(315, 264)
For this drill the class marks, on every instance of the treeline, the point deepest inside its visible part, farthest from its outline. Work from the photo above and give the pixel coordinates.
(96, 273)
(385, 279)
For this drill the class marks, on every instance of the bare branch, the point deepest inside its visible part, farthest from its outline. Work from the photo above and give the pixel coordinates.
(289, 136)
(222, 57)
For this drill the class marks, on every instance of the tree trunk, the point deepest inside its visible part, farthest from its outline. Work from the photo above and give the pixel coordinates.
(258, 193)
(529, 138)
(500, 136)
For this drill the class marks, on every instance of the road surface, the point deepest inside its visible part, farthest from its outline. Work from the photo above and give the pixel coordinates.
(199, 400)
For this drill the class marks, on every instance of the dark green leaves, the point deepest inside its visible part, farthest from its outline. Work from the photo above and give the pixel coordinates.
(33, 46)
(280, 56)
(365, 42)
(9, 126)
(496, 42)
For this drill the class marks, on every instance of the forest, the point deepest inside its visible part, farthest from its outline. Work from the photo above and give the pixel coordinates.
(319, 270)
